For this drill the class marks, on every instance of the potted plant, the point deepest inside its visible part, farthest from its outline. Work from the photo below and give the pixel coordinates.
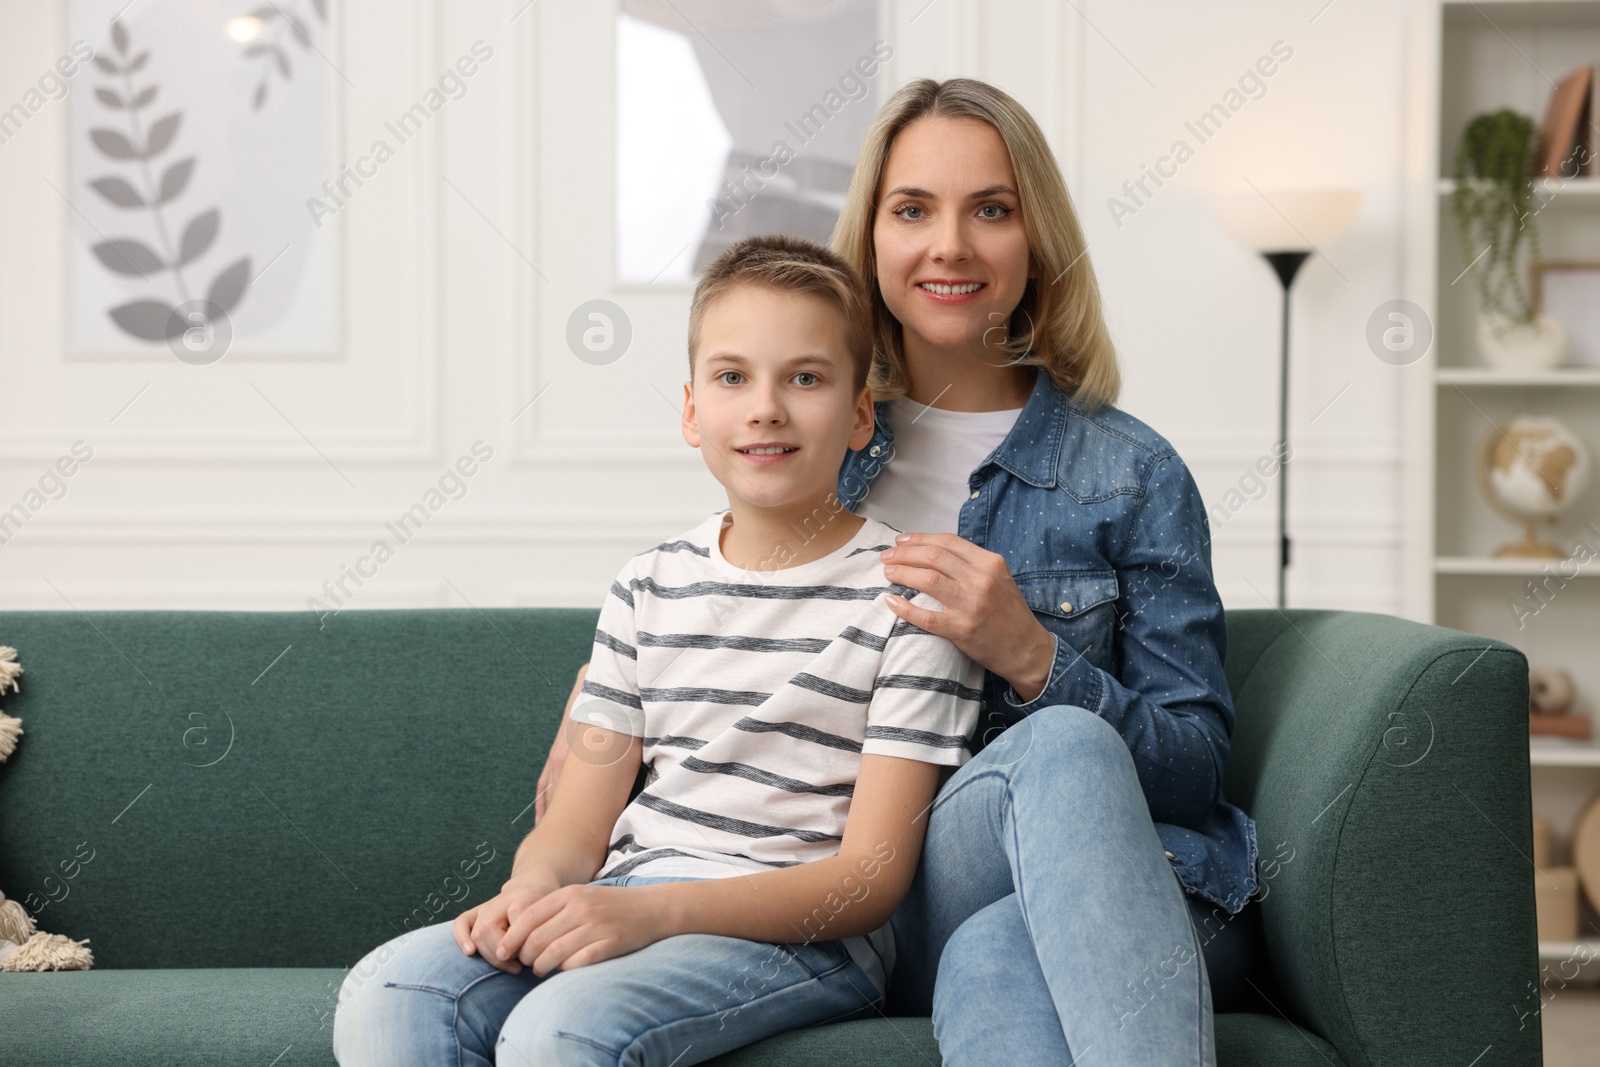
(1492, 206)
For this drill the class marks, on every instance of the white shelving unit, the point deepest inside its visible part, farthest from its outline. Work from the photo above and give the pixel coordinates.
(1566, 378)
(1507, 567)
(1547, 189)
(1470, 58)
(1572, 754)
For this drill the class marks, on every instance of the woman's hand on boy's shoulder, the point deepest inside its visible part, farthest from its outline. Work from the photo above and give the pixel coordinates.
(481, 930)
(985, 614)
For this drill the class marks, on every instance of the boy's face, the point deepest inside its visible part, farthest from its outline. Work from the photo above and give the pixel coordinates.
(772, 369)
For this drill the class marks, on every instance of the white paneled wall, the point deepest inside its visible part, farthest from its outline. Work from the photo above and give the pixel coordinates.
(255, 483)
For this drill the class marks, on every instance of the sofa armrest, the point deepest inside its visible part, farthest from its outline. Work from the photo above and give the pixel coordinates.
(1386, 765)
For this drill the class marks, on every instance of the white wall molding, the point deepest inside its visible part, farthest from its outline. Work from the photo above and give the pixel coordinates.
(635, 528)
(572, 527)
(108, 595)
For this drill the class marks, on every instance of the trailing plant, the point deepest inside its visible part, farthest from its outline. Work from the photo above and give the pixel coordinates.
(1494, 167)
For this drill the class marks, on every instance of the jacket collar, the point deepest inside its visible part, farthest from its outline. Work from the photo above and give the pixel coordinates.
(1032, 450)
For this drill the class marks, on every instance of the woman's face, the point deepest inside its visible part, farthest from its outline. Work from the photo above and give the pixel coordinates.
(952, 255)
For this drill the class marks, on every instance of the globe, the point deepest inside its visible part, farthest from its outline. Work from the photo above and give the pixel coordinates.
(1530, 470)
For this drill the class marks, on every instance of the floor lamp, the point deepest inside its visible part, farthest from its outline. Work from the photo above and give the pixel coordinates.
(1285, 226)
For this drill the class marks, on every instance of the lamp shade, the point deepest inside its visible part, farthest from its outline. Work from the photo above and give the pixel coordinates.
(1282, 220)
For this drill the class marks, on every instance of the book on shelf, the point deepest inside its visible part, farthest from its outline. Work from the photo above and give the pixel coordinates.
(1566, 145)
(1568, 726)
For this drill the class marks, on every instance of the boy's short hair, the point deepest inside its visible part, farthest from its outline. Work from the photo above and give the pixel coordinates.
(791, 265)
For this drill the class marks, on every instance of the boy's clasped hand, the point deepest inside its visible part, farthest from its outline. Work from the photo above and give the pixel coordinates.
(533, 921)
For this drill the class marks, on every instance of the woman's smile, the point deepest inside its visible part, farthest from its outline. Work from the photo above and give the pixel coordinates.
(943, 292)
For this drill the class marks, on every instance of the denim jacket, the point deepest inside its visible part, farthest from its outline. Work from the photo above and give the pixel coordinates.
(1105, 533)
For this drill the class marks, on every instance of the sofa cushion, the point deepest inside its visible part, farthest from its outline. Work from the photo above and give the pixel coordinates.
(283, 1017)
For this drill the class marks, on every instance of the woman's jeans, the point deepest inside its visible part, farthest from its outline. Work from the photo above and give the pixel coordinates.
(419, 999)
(1047, 911)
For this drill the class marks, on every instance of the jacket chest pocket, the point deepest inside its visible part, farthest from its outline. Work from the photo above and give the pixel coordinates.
(1080, 608)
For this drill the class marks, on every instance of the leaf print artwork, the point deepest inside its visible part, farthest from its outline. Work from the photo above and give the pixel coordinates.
(278, 23)
(185, 215)
(139, 189)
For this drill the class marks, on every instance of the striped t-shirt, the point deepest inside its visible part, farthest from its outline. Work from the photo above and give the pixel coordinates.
(757, 692)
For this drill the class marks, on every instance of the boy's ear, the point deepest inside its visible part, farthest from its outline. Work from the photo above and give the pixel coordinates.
(691, 429)
(861, 432)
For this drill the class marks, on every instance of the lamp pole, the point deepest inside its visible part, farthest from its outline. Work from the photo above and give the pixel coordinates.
(1286, 265)
(1260, 222)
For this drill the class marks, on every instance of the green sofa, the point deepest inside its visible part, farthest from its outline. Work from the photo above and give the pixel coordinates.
(262, 801)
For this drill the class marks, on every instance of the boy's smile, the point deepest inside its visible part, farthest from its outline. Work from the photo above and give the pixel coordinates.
(767, 453)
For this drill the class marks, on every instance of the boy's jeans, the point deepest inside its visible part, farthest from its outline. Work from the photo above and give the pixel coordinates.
(420, 1000)
(1044, 906)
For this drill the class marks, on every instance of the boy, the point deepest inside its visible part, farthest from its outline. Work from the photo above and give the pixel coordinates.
(794, 729)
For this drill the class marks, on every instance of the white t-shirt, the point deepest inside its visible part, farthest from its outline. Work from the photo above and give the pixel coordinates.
(923, 485)
(757, 693)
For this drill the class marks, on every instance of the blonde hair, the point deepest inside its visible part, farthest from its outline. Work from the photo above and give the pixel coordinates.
(790, 265)
(1058, 324)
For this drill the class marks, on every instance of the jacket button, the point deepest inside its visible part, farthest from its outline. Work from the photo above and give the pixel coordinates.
(1169, 855)
(975, 494)
(874, 450)
(1066, 605)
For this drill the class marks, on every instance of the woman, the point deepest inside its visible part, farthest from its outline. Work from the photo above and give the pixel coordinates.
(1084, 882)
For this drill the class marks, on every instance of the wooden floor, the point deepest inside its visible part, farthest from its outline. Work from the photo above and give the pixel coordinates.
(1572, 1027)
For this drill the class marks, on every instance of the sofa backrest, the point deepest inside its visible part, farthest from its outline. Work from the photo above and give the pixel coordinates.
(233, 789)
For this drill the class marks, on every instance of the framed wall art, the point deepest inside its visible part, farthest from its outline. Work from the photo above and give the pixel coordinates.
(735, 120)
(199, 139)
(1569, 290)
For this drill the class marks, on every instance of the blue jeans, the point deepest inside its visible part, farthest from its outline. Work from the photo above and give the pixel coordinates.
(1045, 923)
(419, 999)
